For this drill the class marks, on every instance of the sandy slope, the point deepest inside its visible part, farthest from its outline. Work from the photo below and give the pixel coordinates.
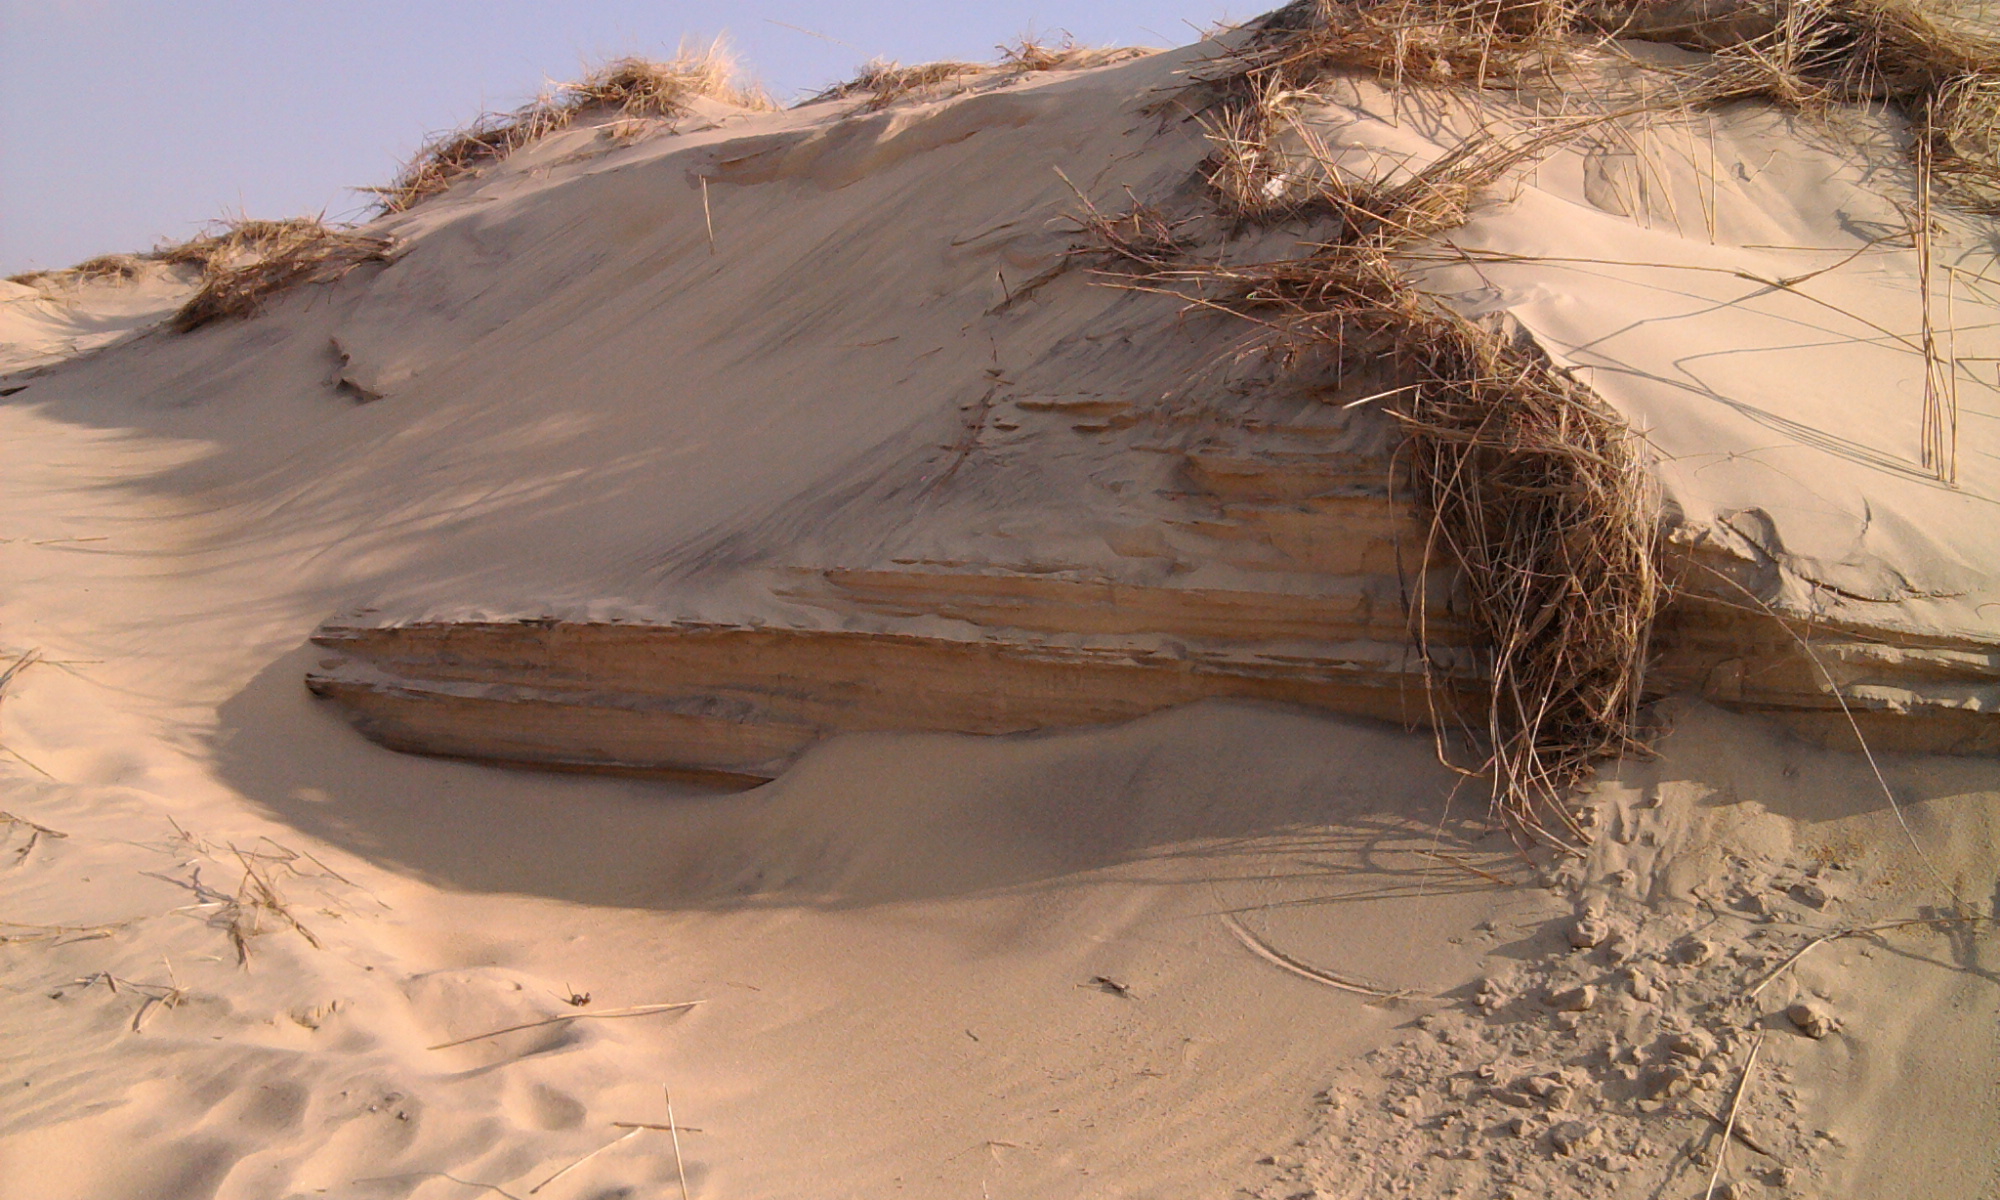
(928, 965)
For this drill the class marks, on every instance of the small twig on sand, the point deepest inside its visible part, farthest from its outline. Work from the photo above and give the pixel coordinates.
(6, 677)
(35, 832)
(19, 665)
(628, 1135)
(491, 1187)
(655, 1125)
(679, 1167)
(643, 1010)
(1462, 865)
(167, 994)
(1279, 958)
(1857, 931)
(49, 933)
(707, 217)
(1735, 1104)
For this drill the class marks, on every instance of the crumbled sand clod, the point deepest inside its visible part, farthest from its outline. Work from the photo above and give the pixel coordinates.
(1812, 1020)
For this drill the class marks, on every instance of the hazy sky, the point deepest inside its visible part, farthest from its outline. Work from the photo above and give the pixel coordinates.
(123, 122)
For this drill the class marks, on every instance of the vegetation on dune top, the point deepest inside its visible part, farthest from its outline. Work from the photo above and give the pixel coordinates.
(634, 88)
(237, 264)
(883, 82)
(1939, 68)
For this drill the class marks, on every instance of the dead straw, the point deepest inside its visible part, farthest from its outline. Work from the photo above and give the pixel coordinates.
(1735, 1106)
(884, 81)
(1938, 68)
(680, 1167)
(631, 88)
(248, 262)
(643, 1010)
(1536, 489)
(627, 1136)
(1836, 935)
(1278, 958)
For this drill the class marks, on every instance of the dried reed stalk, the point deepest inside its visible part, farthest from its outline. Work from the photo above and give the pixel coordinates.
(1810, 56)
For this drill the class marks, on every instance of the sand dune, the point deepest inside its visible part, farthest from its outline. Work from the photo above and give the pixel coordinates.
(994, 686)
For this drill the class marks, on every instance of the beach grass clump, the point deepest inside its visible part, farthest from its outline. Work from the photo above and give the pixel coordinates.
(628, 88)
(236, 264)
(1536, 490)
(1461, 42)
(244, 263)
(1937, 67)
(1028, 55)
(883, 81)
(105, 268)
(1960, 127)
(1943, 74)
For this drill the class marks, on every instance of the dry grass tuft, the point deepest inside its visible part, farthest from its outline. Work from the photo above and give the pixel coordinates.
(884, 82)
(249, 261)
(1959, 122)
(1474, 42)
(239, 263)
(633, 88)
(1142, 235)
(1813, 55)
(1808, 55)
(1537, 491)
(1852, 51)
(1029, 55)
(104, 268)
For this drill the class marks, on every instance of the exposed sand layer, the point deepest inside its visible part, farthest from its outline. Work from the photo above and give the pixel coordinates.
(1235, 946)
(990, 416)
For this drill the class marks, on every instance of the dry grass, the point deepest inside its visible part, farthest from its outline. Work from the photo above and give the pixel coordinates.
(1537, 491)
(1808, 55)
(257, 906)
(631, 88)
(1472, 42)
(884, 82)
(1029, 55)
(9, 822)
(239, 263)
(104, 268)
(1811, 56)
(1959, 123)
(247, 262)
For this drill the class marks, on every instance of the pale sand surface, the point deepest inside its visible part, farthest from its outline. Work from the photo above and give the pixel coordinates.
(900, 946)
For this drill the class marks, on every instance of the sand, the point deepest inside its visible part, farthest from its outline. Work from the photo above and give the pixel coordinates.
(1232, 948)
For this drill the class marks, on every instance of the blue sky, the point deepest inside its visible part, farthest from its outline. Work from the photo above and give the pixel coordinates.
(123, 122)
